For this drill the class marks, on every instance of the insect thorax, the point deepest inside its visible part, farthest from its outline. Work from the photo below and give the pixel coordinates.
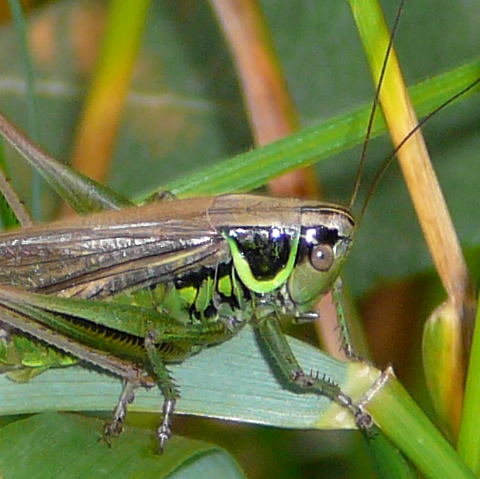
(270, 270)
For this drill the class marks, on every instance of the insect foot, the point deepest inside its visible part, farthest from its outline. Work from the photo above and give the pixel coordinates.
(363, 420)
(325, 386)
(114, 427)
(165, 429)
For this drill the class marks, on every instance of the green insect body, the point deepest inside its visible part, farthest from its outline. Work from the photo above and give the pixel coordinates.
(155, 284)
(23, 359)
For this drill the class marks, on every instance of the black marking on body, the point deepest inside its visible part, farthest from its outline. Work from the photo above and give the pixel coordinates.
(127, 346)
(196, 278)
(266, 249)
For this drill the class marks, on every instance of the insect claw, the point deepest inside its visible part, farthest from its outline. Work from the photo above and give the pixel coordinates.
(111, 429)
(114, 427)
(162, 440)
(106, 439)
(364, 420)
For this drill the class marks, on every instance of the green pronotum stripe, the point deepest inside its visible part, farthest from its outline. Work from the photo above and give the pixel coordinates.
(243, 268)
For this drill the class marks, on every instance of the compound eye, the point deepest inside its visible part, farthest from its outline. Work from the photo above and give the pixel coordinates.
(321, 257)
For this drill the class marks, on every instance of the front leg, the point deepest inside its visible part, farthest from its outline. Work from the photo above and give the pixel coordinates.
(345, 334)
(275, 342)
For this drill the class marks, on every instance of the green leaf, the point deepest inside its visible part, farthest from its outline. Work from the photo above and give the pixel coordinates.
(468, 439)
(80, 192)
(407, 426)
(389, 461)
(230, 381)
(64, 446)
(250, 170)
(7, 216)
(233, 381)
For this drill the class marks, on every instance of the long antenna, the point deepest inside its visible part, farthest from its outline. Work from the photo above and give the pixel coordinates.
(363, 156)
(388, 161)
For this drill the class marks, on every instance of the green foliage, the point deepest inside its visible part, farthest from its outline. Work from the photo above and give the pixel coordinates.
(26, 453)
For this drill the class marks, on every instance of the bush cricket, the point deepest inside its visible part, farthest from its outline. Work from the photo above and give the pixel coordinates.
(170, 278)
